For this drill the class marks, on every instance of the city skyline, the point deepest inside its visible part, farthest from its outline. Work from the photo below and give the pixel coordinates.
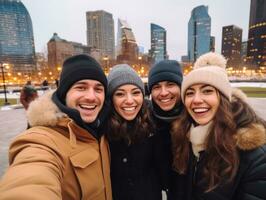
(68, 19)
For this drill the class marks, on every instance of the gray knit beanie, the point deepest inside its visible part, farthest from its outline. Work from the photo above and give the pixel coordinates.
(123, 74)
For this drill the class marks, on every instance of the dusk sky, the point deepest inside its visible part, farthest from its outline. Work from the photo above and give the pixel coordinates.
(68, 19)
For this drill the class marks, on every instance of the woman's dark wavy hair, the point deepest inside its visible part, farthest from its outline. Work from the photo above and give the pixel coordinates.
(222, 157)
(130, 131)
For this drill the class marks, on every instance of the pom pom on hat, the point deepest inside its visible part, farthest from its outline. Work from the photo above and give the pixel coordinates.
(209, 69)
(210, 59)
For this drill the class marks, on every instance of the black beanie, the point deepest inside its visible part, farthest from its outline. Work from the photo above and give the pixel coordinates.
(77, 68)
(165, 70)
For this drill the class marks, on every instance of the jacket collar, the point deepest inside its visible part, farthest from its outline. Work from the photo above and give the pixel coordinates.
(44, 112)
(251, 137)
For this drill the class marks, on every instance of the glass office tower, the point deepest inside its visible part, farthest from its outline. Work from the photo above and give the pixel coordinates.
(199, 33)
(16, 36)
(158, 43)
(256, 51)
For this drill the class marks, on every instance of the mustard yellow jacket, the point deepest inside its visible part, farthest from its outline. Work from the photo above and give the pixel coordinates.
(56, 159)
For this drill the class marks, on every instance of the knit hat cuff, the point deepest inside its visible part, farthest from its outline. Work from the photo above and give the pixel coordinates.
(123, 79)
(211, 75)
(165, 76)
(76, 75)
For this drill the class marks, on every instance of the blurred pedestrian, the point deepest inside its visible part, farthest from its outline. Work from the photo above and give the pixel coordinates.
(27, 95)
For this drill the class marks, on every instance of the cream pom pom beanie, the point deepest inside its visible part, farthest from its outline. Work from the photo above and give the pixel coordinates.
(209, 69)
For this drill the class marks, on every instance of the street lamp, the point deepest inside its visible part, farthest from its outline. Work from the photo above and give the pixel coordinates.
(105, 58)
(4, 82)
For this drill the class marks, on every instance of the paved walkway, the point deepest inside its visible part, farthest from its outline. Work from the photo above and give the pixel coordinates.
(12, 122)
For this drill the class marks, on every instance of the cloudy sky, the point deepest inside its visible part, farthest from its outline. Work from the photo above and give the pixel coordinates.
(68, 19)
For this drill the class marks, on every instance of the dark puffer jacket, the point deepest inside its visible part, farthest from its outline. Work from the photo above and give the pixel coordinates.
(250, 182)
(133, 171)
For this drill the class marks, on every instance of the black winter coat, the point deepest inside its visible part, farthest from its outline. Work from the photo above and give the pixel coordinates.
(249, 183)
(134, 173)
(163, 154)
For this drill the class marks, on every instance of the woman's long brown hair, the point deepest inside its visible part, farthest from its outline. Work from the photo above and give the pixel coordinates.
(130, 131)
(222, 158)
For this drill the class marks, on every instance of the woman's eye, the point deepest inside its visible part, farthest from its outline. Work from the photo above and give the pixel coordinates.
(189, 93)
(208, 91)
(136, 92)
(119, 94)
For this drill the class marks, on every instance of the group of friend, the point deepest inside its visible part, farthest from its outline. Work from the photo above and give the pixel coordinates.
(100, 138)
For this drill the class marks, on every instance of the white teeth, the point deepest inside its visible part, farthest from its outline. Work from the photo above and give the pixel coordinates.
(88, 106)
(196, 110)
(129, 109)
(165, 100)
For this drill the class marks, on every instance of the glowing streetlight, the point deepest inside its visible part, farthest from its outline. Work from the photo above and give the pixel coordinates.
(2, 65)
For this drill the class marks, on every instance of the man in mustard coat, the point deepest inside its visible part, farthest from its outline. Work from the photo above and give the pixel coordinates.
(64, 155)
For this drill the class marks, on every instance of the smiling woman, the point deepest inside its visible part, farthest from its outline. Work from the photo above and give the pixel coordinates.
(217, 139)
(134, 172)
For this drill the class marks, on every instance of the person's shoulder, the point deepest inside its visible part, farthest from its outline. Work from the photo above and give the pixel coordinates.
(39, 135)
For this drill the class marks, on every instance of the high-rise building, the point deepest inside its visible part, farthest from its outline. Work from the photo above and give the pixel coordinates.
(127, 48)
(16, 36)
(244, 47)
(100, 32)
(158, 43)
(212, 44)
(199, 32)
(231, 45)
(256, 51)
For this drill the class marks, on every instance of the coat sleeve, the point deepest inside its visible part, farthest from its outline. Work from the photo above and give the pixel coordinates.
(35, 169)
(253, 184)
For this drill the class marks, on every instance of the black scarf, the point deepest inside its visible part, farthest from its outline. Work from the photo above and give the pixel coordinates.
(167, 116)
(94, 127)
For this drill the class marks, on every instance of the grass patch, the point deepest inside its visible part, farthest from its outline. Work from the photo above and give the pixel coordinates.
(254, 91)
(10, 101)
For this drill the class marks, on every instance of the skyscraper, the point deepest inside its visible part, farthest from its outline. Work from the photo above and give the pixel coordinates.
(199, 32)
(127, 48)
(100, 32)
(256, 51)
(16, 36)
(158, 43)
(231, 45)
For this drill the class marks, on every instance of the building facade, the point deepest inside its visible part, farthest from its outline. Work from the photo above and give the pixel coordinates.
(256, 50)
(127, 48)
(100, 32)
(231, 45)
(199, 32)
(59, 49)
(158, 43)
(16, 37)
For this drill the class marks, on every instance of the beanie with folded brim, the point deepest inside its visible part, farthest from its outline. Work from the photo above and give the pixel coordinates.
(165, 70)
(123, 74)
(76, 68)
(209, 69)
